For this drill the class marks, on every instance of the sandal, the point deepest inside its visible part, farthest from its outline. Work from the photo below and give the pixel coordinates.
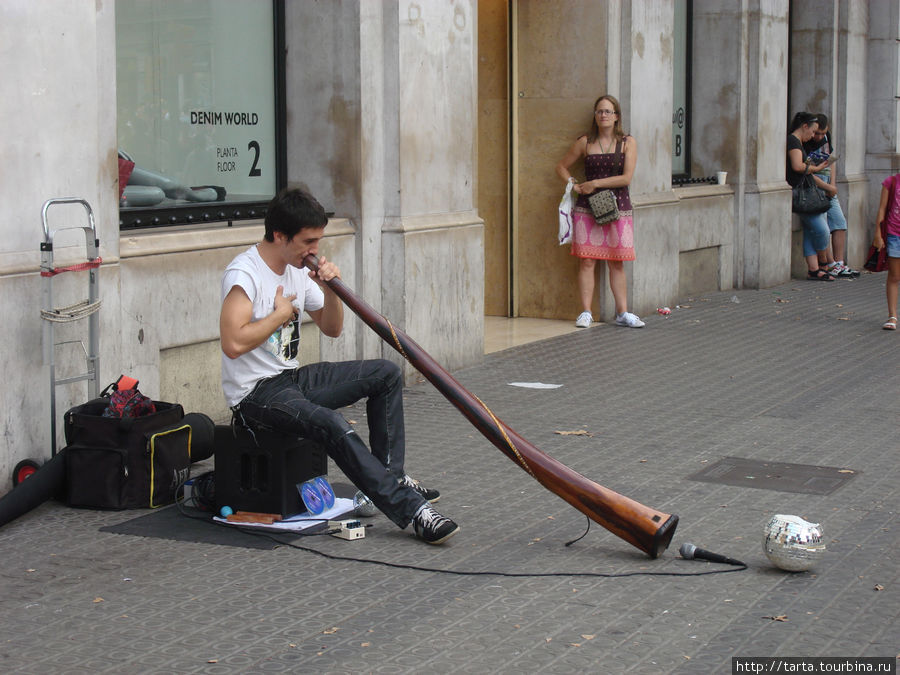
(819, 275)
(890, 324)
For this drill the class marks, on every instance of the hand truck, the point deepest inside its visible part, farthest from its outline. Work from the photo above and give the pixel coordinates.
(86, 309)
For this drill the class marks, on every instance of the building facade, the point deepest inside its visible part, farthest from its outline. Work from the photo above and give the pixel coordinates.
(431, 129)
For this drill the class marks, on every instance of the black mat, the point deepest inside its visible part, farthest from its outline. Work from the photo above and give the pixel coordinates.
(170, 523)
(798, 478)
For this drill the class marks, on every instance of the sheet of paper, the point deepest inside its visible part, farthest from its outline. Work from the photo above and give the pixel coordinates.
(342, 507)
(535, 385)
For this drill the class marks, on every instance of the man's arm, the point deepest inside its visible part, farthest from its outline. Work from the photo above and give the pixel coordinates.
(239, 333)
(329, 319)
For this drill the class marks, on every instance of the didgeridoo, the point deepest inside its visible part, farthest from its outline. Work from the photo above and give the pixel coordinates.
(649, 530)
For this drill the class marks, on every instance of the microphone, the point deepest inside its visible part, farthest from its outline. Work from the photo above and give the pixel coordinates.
(691, 552)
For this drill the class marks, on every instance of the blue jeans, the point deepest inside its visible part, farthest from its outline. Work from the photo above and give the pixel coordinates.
(305, 402)
(816, 235)
(893, 246)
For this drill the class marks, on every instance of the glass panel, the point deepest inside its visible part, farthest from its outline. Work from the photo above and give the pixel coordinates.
(679, 90)
(196, 102)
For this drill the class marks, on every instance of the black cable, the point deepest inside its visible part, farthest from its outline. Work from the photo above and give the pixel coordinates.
(204, 491)
(384, 563)
(202, 495)
(270, 535)
(569, 543)
(202, 487)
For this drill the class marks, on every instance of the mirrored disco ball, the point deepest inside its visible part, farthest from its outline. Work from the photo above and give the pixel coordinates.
(792, 543)
(363, 506)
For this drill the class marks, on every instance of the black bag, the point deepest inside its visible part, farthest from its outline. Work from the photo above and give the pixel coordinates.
(128, 462)
(808, 198)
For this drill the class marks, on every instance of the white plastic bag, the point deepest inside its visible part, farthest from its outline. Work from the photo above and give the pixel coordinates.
(566, 206)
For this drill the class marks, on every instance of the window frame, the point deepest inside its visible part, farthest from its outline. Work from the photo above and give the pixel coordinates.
(685, 177)
(228, 213)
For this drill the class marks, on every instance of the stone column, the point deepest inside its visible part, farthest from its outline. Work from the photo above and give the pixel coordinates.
(382, 126)
(379, 138)
(645, 92)
(718, 127)
(850, 115)
(324, 145)
(763, 241)
(739, 97)
(432, 245)
(58, 106)
(882, 120)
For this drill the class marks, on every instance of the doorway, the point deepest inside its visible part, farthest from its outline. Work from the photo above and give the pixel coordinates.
(535, 92)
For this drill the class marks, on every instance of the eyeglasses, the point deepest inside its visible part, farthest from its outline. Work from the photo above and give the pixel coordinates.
(604, 113)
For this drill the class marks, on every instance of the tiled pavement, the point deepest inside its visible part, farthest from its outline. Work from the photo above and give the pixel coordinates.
(800, 373)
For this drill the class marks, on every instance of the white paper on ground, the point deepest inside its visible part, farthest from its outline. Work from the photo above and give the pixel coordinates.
(342, 507)
(535, 385)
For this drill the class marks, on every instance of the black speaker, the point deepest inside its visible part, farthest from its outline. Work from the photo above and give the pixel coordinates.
(259, 471)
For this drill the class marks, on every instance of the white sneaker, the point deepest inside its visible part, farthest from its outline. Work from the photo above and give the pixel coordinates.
(630, 320)
(584, 320)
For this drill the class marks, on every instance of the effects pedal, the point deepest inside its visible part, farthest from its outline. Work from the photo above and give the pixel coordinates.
(349, 529)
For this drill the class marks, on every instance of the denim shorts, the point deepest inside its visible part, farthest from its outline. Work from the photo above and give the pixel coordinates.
(835, 215)
(893, 245)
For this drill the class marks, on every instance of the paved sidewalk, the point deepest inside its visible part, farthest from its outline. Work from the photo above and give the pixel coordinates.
(800, 373)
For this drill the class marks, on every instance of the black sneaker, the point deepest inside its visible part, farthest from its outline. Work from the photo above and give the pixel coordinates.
(427, 494)
(431, 527)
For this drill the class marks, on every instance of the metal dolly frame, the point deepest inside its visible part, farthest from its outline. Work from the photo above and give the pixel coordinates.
(86, 309)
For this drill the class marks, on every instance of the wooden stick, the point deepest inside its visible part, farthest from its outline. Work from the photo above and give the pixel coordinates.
(253, 517)
(648, 529)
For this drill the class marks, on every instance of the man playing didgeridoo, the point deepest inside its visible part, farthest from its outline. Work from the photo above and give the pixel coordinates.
(264, 290)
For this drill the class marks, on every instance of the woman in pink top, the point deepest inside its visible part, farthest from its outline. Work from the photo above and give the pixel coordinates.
(889, 214)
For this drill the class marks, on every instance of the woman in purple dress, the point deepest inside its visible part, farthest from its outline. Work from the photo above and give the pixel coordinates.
(609, 156)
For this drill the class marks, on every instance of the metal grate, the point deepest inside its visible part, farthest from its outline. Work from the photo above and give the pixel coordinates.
(779, 476)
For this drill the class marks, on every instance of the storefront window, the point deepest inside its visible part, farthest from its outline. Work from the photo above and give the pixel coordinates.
(197, 89)
(681, 91)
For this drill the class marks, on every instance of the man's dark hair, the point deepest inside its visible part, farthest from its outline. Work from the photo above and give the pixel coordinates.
(812, 144)
(292, 210)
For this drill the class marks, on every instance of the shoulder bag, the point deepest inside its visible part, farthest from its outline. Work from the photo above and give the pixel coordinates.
(604, 207)
(808, 198)
(603, 202)
(876, 260)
